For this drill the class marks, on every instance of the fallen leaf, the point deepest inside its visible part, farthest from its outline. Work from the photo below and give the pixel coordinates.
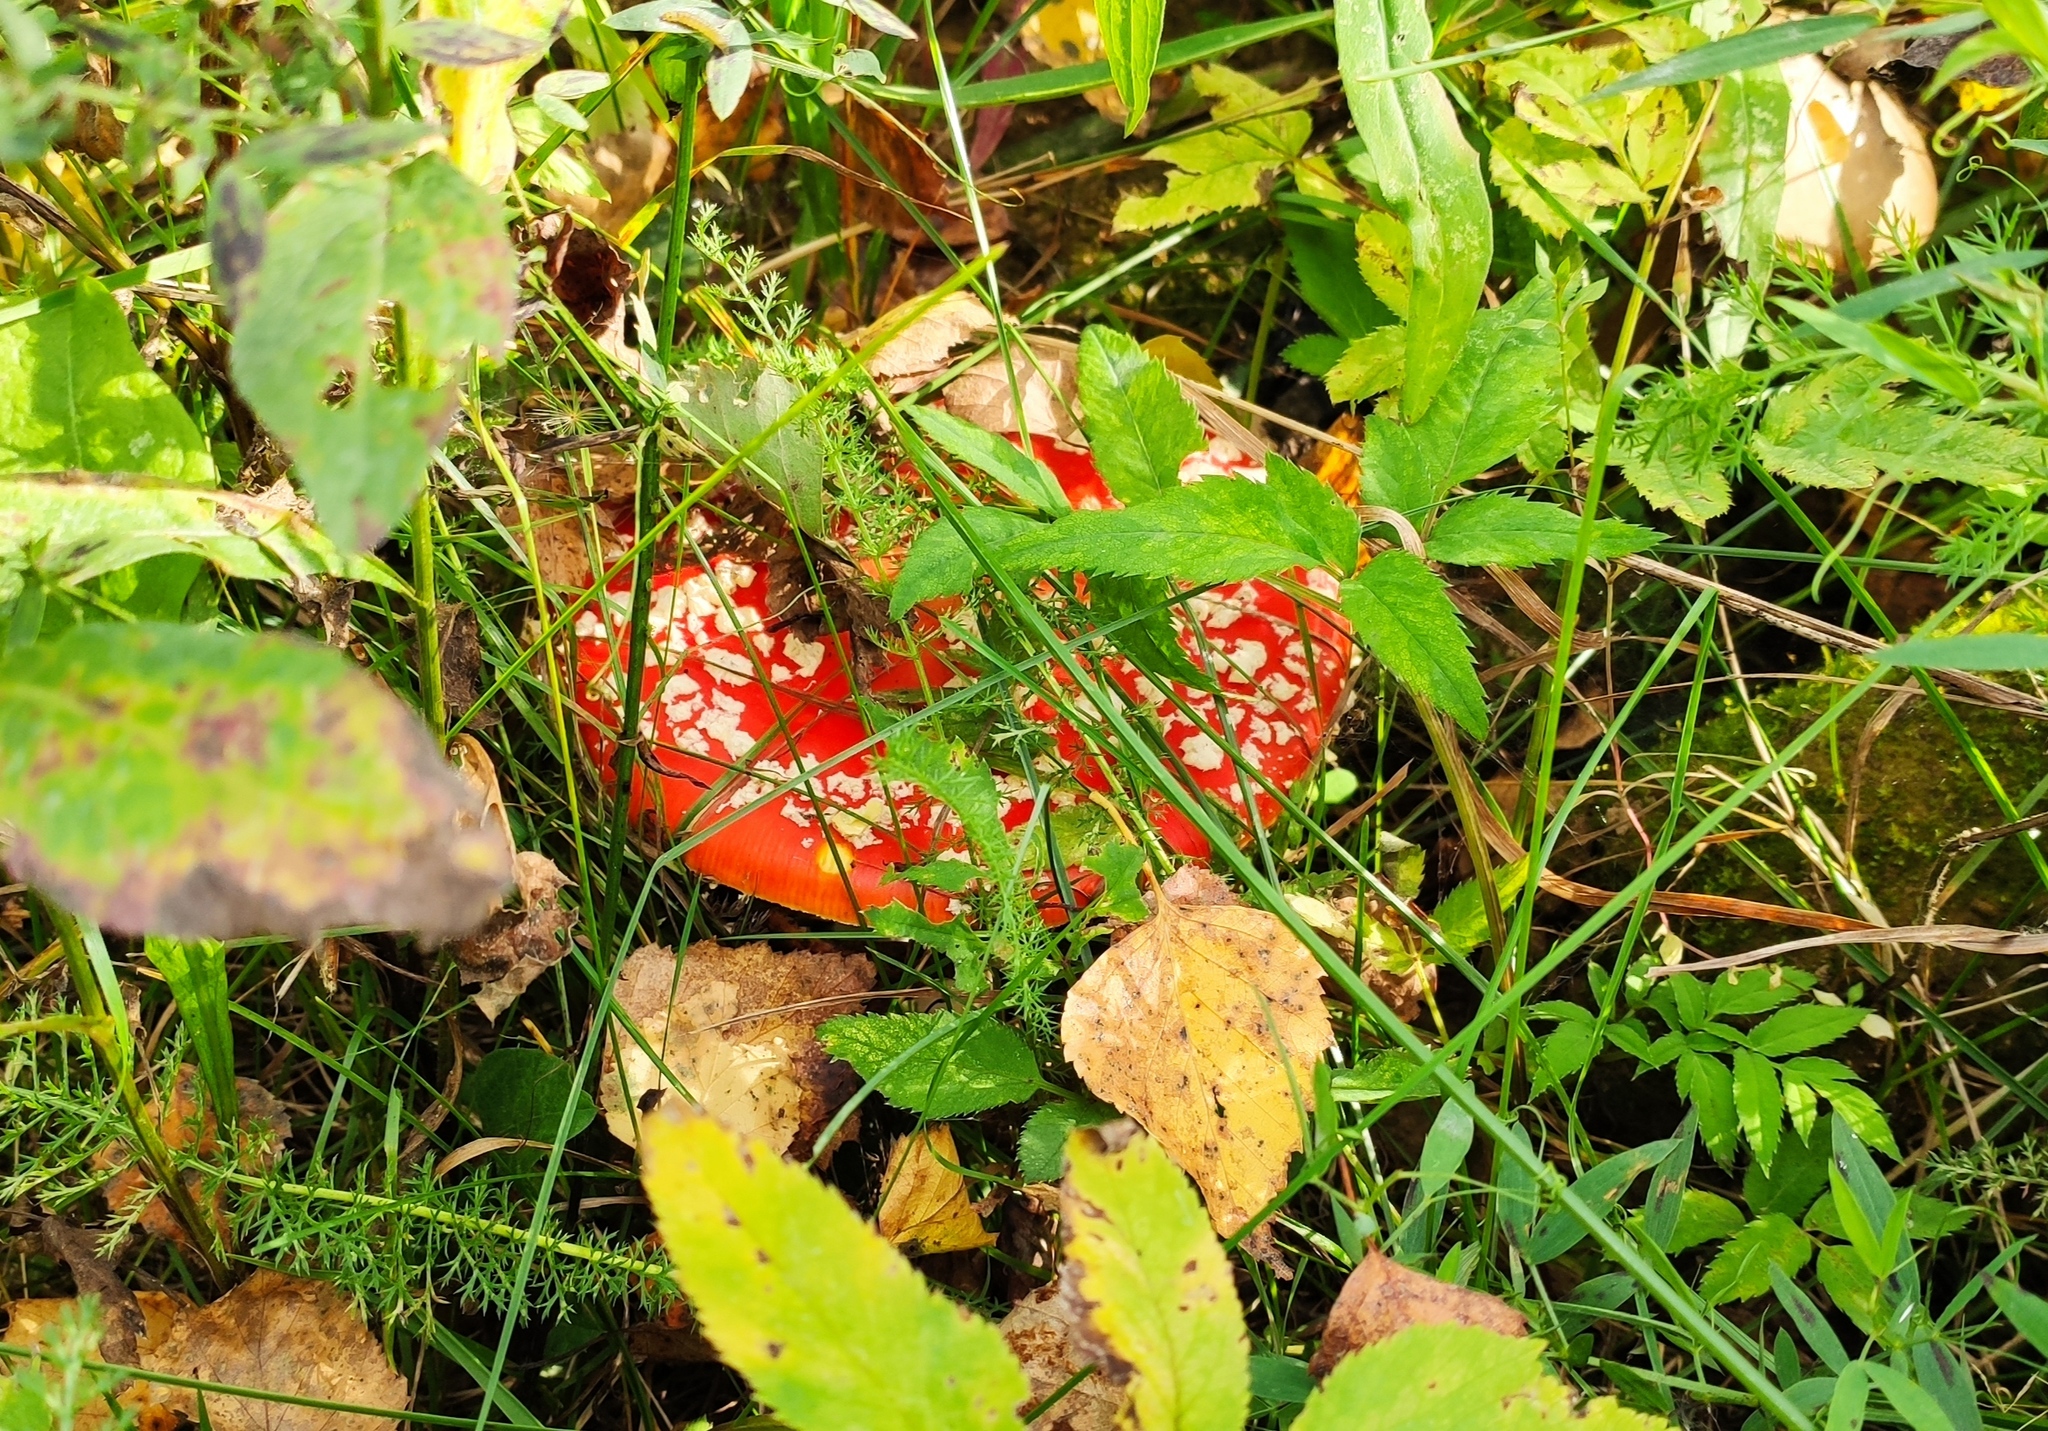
(274, 1333)
(737, 1027)
(633, 165)
(925, 345)
(1066, 33)
(1381, 1297)
(1337, 467)
(1205, 1024)
(1046, 373)
(1040, 1331)
(29, 1318)
(1182, 360)
(188, 1125)
(519, 944)
(925, 1207)
(1391, 960)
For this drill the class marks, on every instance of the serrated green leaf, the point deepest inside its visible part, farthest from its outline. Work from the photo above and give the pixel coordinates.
(1323, 257)
(1926, 1217)
(1130, 42)
(939, 562)
(1499, 529)
(1706, 1082)
(1421, 168)
(1704, 1217)
(1042, 1147)
(1139, 424)
(1803, 1027)
(961, 781)
(341, 244)
(1794, 1178)
(195, 783)
(1316, 354)
(1574, 174)
(1844, 427)
(1399, 608)
(71, 529)
(1904, 355)
(1369, 365)
(831, 1328)
(1502, 388)
(970, 1065)
(1456, 1378)
(1742, 1269)
(1160, 1296)
(1220, 529)
(75, 395)
(1021, 474)
(1759, 1105)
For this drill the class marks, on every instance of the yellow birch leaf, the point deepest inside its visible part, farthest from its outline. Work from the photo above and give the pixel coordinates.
(1204, 1024)
(480, 138)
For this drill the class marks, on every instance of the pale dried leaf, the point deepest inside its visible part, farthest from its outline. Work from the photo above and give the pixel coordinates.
(1381, 1297)
(1046, 372)
(1040, 1331)
(518, 944)
(925, 1207)
(274, 1333)
(922, 348)
(1205, 1024)
(737, 1028)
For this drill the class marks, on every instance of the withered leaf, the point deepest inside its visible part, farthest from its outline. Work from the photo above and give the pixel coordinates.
(517, 945)
(1040, 1331)
(1381, 1297)
(1204, 1024)
(273, 1333)
(925, 1207)
(736, 1027)
(187, 1124)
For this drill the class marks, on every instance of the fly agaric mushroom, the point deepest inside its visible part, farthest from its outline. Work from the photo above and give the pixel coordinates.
(754, 750)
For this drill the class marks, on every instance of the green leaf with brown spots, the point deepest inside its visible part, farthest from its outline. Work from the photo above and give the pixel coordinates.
(831, 1328)
(308, 281)
(1156, 1291)
(196, 783)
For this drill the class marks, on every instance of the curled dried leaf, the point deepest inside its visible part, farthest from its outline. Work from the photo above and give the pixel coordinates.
(925, 1207)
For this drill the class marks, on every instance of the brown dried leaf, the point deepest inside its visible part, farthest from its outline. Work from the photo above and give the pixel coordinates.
(922, 348)
(1381, 1297)
(1176, 1025)
(1046, 375)
(925, 1207)
(633, 165)
(737, 1027)
(520, 943)
(189, 1125)
(1040, 1331)
(1391, 961)
(274, 1333)
(909, 185)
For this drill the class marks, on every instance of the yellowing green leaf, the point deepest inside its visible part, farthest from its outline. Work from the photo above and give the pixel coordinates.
(71, 530)
(480, 139)
(1230, 167)
(74, 393)
(185, 781)
(832, 1328)
(1157, 1290)
(1575, 175)
(1369, 365)
(1453, 1378)
(1742, 1268)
